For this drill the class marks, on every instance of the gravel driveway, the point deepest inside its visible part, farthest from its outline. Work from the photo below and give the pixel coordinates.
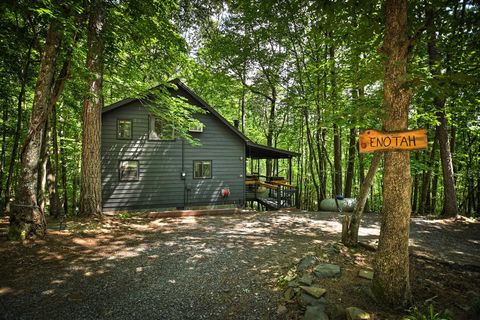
(217, 267)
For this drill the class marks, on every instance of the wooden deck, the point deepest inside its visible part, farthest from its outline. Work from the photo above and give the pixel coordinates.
(272, 194)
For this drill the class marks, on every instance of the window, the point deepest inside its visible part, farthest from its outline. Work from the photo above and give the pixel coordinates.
(196, 127)
(124, 129)
(129, 170)
(159, 130)
(202, 169)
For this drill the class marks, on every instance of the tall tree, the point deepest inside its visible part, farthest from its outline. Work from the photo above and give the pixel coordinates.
(450, 208)
(351, 225)
(91, 186)
(352, 149)
(24, 75)
(26, 217)
(391, 282)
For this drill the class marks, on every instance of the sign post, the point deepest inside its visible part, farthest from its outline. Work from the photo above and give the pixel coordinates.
(375, 141)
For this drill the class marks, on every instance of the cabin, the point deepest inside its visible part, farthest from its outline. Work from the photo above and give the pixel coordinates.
(145, 166)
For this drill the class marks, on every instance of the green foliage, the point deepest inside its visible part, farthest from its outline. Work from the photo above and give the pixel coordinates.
(145, 54)
(15, 234)
(283, 280)
(429, 314)
(124, 215)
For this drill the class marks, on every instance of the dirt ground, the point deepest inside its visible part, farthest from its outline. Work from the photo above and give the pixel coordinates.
(222, 267)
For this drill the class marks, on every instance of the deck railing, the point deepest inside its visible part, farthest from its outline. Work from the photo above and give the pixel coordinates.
(274, 194)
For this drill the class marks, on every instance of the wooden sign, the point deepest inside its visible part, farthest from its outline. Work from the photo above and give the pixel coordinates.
(373, 141)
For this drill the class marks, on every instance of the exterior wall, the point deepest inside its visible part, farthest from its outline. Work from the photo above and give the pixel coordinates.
(160, 184)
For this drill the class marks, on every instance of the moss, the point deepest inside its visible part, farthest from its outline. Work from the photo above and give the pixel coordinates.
(16, 234)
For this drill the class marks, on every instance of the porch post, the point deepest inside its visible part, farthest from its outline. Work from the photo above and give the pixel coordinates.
(290, 170)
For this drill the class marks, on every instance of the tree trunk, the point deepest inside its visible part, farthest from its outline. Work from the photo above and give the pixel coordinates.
(427, 178)
(477, 209)
(64, 172)
(313, 161)
(52, 175)
(18, 129)
(453, 144)
(337, 143)
(46, 177)
(243, 111)
(391, 282)
(320, 166)
(56, 209)
(271, 128)
(352, 148)
(4, 145)
(415, 186)
(50, 180)
(361, 173)
(433, 192)
(471, 196)
(337, 160)
(75, 182)
(26, 218)
(323, 161)
(91, 183)
(450, 208)
(350, 234)
(42, 167)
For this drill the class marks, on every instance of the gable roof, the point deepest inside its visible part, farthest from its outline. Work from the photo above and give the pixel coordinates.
(254, 150)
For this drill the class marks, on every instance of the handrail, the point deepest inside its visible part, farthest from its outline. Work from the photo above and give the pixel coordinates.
(282, 183)
(260, 183)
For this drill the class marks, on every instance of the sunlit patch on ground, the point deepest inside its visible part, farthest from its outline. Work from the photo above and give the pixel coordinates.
(231, 260)
(5, 290)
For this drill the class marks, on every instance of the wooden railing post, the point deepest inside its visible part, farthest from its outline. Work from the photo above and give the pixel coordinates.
(279, 196)
(297, 199)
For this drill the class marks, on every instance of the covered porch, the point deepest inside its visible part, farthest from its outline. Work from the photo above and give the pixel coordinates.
(269, 178)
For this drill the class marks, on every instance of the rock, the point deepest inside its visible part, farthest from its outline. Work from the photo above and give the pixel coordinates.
(327, 270)
(306, 279)
(367, 291)
(75, 297)
(281, 309)
(306, 262)
(365, 274)
(304, 299)
(331, 248)
(314, 291)
(354, 313)
(335, 311)
(315, 313)
(288, 294)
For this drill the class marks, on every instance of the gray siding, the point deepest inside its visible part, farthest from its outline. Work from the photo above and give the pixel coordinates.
(160, 165)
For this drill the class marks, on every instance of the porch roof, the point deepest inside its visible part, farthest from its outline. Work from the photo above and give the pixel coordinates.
(258, 151)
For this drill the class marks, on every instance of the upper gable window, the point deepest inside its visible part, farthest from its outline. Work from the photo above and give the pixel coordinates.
(124, 129)
(196, 127)
(159, 130)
